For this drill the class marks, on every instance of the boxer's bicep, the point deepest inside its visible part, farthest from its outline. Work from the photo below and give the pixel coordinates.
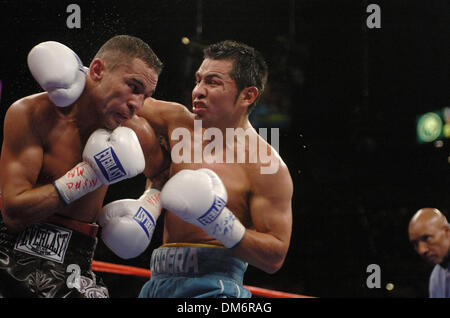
(271, 213)
(271, 206)
(266, 241)
(19, 173)
(22, 154)
(23, 201)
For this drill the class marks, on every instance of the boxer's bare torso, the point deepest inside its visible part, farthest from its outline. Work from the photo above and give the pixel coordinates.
(244, 182)
(48, 142)
(260, 200)
(240, 180)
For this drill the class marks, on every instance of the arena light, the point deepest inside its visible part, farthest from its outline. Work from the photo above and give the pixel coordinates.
(185, 40)
(433, 126)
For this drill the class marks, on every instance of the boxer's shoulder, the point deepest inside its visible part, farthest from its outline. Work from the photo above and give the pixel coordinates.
(31, 106)
(31, 115)
(270, 172)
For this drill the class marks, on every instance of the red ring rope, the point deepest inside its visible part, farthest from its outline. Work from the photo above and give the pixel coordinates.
(136, 271)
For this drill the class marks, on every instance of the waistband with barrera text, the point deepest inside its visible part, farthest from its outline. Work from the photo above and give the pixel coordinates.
(196, 260)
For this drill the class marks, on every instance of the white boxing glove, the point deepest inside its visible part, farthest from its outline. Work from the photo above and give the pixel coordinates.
(58, 70)
(108, 157)
(128, 225)
(115, 155)
(199, 197)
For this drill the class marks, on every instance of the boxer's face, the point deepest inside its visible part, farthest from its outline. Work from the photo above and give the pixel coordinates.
(123, 91)
(215, 92)
(431, 241)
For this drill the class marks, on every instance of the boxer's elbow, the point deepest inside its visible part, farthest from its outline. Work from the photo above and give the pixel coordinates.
(275, 264)
(276, 255)
(13, 223)
(269, 255)
(13, 217)
(269, 261)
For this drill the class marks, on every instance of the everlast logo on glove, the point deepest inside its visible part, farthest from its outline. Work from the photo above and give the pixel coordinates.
(109, 164)
(145, 220)
(213, 211)
(44, 240)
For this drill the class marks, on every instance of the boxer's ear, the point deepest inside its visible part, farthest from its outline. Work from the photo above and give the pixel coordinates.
(96, 69)
(248, 95)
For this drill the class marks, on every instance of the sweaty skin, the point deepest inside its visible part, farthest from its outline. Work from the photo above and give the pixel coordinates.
(262, 202)
(42, 142)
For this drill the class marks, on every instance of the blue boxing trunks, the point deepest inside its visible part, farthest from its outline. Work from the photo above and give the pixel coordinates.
(195, 271)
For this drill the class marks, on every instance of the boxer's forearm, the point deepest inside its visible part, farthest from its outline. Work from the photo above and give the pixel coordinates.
(261, 250)
(30, 206)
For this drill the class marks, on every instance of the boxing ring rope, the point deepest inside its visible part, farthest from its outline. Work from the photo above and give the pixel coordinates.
(99, 266)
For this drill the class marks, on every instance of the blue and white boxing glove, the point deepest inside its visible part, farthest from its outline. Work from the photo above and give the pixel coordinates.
(199, 197)
(128, 225)
(108, 157)
(59, 71)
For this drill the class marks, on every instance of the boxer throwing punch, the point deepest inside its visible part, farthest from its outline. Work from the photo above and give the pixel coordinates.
(220, 216)
(61, 149)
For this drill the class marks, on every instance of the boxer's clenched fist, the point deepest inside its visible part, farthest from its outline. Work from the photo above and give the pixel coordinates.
(199, 197)
(59, 71)
(108, 157)
(128, 225)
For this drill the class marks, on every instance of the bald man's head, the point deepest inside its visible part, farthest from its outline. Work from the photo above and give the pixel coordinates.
(429, 232)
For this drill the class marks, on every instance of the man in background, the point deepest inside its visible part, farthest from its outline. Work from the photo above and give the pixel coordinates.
(429, 232)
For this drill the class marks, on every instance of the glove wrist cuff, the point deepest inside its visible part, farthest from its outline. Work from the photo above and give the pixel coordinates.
(226, 228)
(77, 182)
(151, 199)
